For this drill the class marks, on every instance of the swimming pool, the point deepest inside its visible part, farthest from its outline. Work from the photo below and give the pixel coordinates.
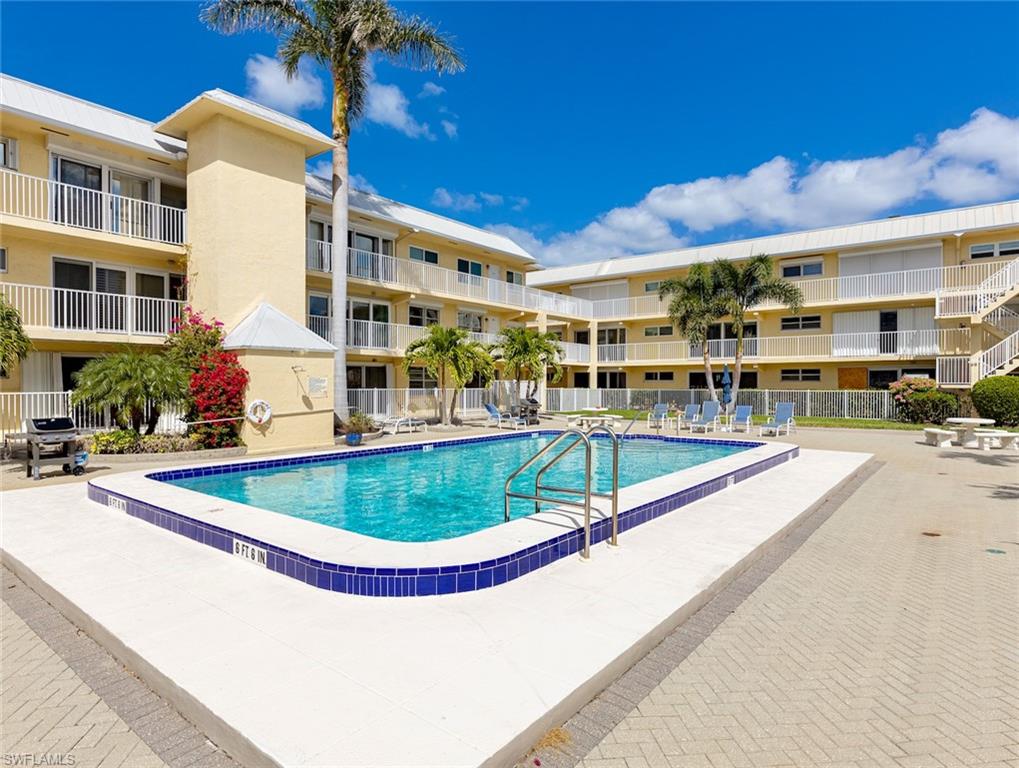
(339, 559)
(440, 491)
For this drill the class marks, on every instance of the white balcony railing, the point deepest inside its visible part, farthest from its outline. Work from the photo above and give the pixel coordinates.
(897, 344)
(41, 199)
(367, 334)
(71, 310)
(832, 290)
(954, 371)
(961, 301)
(1002, 354)
(575, 353)
(319, 256)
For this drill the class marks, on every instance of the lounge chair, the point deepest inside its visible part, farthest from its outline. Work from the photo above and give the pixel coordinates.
(709, 418)
(497, 418)
(783, 419)
(408, 421)
(659, 416)
(742, 419)
(688, 416)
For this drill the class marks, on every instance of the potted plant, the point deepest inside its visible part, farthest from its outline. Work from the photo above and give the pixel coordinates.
(357, 425)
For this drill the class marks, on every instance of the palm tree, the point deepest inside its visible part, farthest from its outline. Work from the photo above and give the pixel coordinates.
(744, 286)
(528, 353)
(451, 357)
(694, 307)
(470, 359)
(341, 36)
(14, 343)
(133, 385)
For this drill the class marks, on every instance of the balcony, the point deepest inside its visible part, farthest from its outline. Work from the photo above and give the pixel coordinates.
(63, 309)
(832, 290)
(575, 353)
(54, 202)
(889, 345)
(419, 277)
(390, 337)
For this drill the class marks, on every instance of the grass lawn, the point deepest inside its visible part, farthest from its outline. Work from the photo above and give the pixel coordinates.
(813, 421)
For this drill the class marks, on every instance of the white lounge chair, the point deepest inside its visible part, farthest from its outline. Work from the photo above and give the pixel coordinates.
(783, 419)
(709, 418)
(497, 418)
(409, 422)
(659, 417)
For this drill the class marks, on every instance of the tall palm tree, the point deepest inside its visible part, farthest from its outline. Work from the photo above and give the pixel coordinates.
(341, 36)
(471, 359)
(744, 286)
(451, 357)
(14, 342)
(135, 385)
(528, 353)
(694, 307)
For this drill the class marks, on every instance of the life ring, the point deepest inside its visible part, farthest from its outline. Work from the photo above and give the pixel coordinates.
(259, 412)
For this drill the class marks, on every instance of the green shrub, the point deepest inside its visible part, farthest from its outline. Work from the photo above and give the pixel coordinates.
(166, 444)
(117, 441)
(932, 406)
(359, 423)
(997, 397)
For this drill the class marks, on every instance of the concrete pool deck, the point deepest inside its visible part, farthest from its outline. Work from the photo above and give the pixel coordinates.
(278, 674)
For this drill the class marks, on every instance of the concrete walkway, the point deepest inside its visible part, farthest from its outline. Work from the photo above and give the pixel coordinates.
(890, 637)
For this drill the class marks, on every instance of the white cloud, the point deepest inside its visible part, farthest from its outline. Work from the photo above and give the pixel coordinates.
(268, 85)
(456, 201)
(431, 89)
(324, 169)
(519, 203)
(450, 128)
(357, 181)
(976, 162)
(491, 199)
(387, 105)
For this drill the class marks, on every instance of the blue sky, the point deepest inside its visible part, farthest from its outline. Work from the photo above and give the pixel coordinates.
(598, 130)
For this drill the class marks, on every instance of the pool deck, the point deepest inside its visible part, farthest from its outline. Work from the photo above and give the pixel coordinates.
(280, 674)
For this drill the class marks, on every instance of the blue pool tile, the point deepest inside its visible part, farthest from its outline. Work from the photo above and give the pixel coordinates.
(466, 582)
(425, 585)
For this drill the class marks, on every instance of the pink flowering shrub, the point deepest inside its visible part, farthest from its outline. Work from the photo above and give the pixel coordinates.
(918, 400)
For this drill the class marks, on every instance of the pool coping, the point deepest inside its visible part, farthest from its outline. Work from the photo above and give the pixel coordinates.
(337, 560)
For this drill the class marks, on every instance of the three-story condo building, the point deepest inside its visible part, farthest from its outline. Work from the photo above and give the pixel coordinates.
(110, 224)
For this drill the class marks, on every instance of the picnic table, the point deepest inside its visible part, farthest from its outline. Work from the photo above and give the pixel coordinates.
(966, 429)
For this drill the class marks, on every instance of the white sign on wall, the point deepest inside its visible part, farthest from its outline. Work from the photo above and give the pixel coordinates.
(317, 386)
(251, 553)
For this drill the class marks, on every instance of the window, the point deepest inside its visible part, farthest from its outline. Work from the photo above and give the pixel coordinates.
(470, 321)
(178, 287)
(801, 374)
(581, 379)
(653, 286)
(990, 250)
(582, 337)
(468, 267)
(612, 336)
(3, 259)
(420, 378)
(611, 379)
(801, 323)
(659, 376)
(423, 316)
(697, 380)
(658, 330)
(9, 153)
(422, 254)
(517, 278)
(803, 269)
(880, 379)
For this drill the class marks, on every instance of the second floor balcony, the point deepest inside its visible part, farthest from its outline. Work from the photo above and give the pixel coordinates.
(63, 311)
(420, 277)
(55, 202)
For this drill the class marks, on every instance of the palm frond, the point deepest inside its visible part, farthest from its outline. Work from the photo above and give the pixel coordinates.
(233, 16)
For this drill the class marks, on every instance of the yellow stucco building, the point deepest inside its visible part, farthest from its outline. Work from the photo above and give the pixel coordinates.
(109, 224)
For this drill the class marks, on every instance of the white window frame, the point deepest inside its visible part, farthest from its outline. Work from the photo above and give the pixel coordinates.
(470, 263)
(319, 295)
(799, 323)
(798, 374)
(513, 277)
(467, 311)
(424, 253)
(426, 308)
(656, 283)
(657, 331)
(128, 269)
(10, 153)
(800, 263)
(3, 260)
(996, 248)
(425, 378)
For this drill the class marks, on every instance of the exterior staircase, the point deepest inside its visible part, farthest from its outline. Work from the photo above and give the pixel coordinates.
(984, 304)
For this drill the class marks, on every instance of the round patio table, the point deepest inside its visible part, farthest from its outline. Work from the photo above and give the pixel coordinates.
(968, 438)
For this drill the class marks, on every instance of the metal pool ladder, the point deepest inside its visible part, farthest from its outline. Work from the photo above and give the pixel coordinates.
(537, 497)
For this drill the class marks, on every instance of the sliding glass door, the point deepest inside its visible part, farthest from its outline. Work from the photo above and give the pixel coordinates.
(78, 201)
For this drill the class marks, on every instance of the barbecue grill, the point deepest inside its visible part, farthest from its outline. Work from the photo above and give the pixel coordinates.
(53, 441)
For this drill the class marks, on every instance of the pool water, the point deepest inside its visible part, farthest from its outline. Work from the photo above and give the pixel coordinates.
(440, 492)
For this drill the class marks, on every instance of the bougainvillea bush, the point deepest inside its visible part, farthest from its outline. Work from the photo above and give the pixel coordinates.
(218, 380)
(217, 391)
(918, 400)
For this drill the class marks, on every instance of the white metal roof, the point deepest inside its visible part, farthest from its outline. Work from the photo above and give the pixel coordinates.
(176, 124)
(268, 328)
(900, 228)
(60, 110)
(418, 219)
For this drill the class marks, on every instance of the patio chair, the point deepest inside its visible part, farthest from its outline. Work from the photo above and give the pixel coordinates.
(688, 416)
(497, 418)
(659, 416)
(742, 419)
(783, 419)
(709, 418)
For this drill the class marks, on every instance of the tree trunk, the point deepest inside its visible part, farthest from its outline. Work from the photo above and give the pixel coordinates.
(150, 426)
(341, 172)
(136, 420)
(707, 370)
(452, 405)
(442, 395)
(737, 368)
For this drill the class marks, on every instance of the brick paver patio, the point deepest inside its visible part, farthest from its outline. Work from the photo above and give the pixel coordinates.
(874, 644)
